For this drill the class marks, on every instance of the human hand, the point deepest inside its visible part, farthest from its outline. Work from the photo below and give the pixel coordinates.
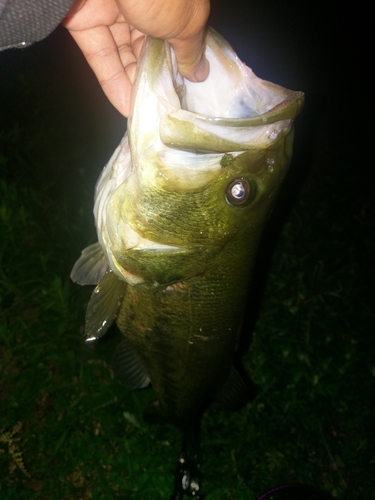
(111, 33)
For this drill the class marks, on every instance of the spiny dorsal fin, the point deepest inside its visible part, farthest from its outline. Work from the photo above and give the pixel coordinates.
(128, 367)
(90, 267)
(103, 307)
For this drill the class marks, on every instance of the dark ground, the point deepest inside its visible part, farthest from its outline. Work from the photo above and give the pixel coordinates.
(67, 430)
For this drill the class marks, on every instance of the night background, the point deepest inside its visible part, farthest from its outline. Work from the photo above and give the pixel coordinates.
(68, 430)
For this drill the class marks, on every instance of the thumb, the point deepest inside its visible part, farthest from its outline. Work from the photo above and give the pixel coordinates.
(191, 60)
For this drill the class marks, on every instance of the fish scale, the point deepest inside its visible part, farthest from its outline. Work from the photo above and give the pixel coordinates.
(180, 359)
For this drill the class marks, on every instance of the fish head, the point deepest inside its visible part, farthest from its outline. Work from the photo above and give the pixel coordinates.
(197, 169)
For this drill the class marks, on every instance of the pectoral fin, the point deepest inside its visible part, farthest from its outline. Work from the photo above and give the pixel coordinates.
(104, 304)
(90, 267)
(128, 367)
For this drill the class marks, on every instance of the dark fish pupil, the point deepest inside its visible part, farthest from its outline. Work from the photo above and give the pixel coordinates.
(238, 191)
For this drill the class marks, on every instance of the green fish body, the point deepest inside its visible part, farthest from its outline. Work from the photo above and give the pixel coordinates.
(180, 210)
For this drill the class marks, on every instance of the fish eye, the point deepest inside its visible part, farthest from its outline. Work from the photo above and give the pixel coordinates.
(240, 191)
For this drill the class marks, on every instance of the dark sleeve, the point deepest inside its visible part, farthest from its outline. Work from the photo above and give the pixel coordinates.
(23, 22)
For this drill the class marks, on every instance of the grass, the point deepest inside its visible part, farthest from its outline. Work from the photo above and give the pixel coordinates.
(69, 431)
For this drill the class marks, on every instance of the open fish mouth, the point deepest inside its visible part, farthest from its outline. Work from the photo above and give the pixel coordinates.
(171, 158)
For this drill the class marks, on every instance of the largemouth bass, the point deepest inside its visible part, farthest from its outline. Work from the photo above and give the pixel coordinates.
(179, 212)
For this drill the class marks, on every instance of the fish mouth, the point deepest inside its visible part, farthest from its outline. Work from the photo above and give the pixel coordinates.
(184, 136)
(173, 152)
(134, 241)
(142, 262)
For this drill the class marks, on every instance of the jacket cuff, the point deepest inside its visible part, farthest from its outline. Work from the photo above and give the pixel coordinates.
(23, 22)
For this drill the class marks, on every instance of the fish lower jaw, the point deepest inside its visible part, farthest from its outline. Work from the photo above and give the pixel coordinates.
(131, 240)
(116, 257)
(154, 246)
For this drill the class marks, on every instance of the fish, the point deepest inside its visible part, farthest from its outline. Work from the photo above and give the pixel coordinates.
(179, 210)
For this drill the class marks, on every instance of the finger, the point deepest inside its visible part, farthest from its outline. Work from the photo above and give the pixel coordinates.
(137, 44)
(76, 7)
(123, 39)
(91, 13)
(137, 40)
(191, 60)
(180, 22)
(100, 50)
(129, 52)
